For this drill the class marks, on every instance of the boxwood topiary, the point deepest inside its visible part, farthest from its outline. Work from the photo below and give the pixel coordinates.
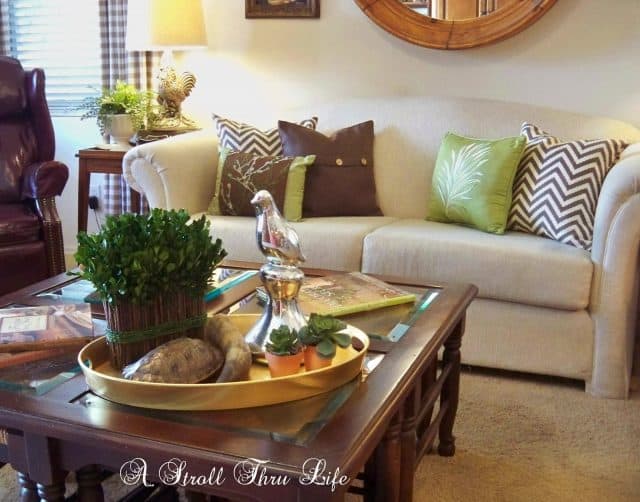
(138, 257)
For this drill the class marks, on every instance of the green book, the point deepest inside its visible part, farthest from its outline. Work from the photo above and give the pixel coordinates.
(348, 293)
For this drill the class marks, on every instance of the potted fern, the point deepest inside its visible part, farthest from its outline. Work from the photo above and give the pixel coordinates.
(283, 352)
(121, 111)
(320, 337)
(151, 273)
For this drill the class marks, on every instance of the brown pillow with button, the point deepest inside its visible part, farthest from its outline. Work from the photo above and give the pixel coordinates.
(341, 181)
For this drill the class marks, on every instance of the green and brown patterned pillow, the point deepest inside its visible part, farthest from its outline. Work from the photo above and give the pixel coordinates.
(240, 175)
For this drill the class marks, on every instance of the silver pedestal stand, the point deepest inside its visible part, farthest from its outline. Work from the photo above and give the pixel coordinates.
(282, 283)
(280, 276)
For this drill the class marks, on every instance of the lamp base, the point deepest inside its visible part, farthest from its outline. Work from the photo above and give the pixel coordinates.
(178, 123)
(149, 135)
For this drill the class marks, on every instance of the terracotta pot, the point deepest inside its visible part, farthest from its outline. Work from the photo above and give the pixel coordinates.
(283, 365)
(313, 361)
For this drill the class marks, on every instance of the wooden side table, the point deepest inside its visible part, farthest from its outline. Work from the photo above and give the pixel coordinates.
(95, 160)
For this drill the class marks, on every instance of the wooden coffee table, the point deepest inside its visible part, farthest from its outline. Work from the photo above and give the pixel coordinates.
(365, 437)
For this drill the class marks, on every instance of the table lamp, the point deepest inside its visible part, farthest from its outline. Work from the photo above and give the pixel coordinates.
(168, 25)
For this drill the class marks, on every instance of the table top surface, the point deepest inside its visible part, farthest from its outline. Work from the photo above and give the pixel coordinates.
(335, 426)
(101, 153)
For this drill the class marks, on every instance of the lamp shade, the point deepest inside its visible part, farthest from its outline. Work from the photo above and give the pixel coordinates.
(165, 24)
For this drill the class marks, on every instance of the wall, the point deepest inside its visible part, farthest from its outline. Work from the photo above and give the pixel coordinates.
(581, 56)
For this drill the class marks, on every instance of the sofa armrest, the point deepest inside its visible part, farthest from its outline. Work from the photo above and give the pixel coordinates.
(175, 173)
(614, 288)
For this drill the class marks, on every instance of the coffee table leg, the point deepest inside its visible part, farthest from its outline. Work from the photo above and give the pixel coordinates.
(89, 484)
(388, 463)
(409, 444)
(450, 391)
(28, 489)
(370, 479)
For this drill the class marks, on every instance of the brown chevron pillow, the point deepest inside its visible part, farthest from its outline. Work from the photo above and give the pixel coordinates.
(558, 183)
(241, 137)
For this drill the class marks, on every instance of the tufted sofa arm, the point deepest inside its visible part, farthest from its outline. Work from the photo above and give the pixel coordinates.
(174, 173)
(44, 179)
(614, 288)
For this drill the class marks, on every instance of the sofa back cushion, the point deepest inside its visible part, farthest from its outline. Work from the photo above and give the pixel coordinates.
(409, 131)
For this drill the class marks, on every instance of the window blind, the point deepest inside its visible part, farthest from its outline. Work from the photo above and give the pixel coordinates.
(63, 38)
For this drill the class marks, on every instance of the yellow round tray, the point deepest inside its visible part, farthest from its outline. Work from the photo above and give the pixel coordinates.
(259, 390)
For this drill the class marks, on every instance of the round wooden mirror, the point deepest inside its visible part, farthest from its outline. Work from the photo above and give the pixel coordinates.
(432, 23)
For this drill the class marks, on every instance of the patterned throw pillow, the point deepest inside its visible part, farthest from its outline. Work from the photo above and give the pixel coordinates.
(247, 138)
(472, 181)
(241, 175)
(341, 182)
(558, 183)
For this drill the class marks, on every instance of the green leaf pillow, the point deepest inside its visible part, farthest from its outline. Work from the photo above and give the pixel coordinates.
(240, 175)
(473, 181)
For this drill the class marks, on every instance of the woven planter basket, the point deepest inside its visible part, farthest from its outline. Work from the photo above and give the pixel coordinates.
(133, 330)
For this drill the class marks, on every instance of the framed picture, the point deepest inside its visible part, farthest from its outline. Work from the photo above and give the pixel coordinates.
(281, 8)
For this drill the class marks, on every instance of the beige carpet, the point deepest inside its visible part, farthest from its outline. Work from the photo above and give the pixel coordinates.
(521, 439)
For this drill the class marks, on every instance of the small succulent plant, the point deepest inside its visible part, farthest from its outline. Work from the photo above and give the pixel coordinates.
(283, 341)
(324, 332)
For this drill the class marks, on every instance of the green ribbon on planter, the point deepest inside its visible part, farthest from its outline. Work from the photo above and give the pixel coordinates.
(167, 328)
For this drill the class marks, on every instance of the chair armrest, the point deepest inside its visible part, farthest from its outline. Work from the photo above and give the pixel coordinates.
(175, 173)
(44, 179)
(614, 288)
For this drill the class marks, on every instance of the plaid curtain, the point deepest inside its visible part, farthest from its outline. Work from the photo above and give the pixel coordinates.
(4, 28)
(136, 68)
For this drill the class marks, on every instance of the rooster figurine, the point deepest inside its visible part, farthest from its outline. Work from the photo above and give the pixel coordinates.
(277, 240)
(173, 89)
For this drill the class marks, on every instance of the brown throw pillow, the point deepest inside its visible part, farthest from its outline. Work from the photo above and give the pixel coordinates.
(341, 181)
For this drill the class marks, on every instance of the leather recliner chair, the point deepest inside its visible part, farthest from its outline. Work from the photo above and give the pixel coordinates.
(31, 247)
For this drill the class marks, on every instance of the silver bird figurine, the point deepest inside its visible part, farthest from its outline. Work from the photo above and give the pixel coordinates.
(277, 240)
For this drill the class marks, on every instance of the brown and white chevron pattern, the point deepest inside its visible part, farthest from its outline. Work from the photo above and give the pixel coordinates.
(557, 185)
(246, 138)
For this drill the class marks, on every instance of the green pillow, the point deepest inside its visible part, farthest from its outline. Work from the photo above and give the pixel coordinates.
(240, 175)
(473, 181)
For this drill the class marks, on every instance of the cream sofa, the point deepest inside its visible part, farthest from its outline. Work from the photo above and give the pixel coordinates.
(543, 307)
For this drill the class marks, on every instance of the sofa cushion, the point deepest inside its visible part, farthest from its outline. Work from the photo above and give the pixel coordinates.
(515, 267)
(341, 182)
(18, 225)
(558, 183)
(540, 340)
(243, 137)
(331, 243)
(240, 175)
(472, 181)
